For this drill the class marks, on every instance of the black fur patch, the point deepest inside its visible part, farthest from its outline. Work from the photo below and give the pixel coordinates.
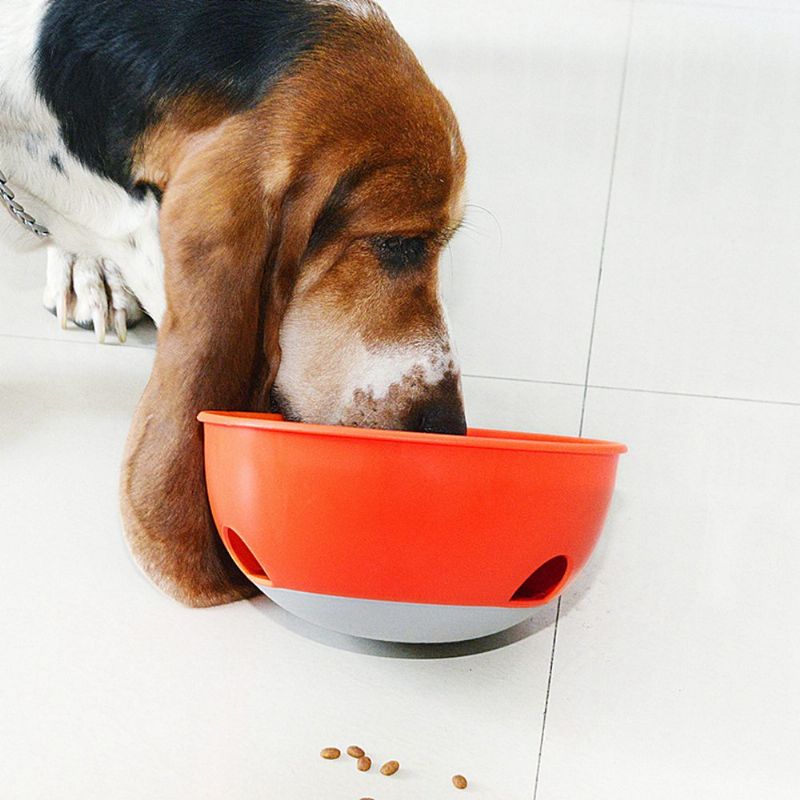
(106, 68)
(55, 163)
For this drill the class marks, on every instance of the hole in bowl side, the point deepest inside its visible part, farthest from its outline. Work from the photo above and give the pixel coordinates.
(543, 581)
(244, 556)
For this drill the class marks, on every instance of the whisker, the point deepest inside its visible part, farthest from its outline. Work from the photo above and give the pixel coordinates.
(494, 219)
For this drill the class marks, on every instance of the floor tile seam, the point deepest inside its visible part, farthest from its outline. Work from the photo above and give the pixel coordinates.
(638, 389)
(720, 5)
(85, 342)
(609, 195)
(620, 105)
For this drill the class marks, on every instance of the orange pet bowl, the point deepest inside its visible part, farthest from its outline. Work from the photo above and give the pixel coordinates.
(402, 536)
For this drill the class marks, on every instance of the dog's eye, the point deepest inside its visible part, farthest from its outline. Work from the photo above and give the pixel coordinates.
(399, 254)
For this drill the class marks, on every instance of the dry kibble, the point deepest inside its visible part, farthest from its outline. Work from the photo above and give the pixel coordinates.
(364, 763)
(354, 751)
(459, 781)
(390, 767)
(330, 753)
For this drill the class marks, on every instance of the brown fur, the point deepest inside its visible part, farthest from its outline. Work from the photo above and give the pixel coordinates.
(241, 198)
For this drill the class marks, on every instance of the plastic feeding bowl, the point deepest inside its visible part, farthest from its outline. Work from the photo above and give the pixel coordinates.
(400, 536)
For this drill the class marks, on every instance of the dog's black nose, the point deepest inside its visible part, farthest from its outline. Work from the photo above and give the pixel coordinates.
(441, 417)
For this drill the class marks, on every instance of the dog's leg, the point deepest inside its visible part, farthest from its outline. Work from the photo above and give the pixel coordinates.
(89, 292)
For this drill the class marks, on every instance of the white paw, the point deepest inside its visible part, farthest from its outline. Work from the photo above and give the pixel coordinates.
(91, 293)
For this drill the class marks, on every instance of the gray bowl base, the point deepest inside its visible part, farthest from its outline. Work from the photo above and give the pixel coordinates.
(389, 621)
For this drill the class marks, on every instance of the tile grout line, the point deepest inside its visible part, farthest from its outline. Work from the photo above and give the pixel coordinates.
(126, 346)
(607, 215)
(720, 5)
(623, 81)
(794, 403)
(639, 389)
(547, 697)
(517, 380)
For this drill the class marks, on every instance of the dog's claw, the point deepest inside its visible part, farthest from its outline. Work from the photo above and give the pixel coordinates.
(99, 321)
(121, 324)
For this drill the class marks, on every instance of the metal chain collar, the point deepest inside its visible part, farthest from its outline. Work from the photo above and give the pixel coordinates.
(18, 212)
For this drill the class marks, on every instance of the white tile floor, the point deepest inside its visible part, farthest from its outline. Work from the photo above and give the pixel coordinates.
(656, 140)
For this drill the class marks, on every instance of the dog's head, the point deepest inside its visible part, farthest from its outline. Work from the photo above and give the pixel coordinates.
(301, 240)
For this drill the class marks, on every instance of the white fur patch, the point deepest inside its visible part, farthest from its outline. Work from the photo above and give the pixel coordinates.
(375, 371)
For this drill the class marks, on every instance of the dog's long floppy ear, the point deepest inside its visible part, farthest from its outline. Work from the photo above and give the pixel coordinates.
(232, 249)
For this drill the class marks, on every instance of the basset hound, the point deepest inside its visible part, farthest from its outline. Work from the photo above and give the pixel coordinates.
(272, 181)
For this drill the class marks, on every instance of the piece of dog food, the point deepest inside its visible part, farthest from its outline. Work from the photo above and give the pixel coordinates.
(355, 751)
(364, 763)
(330, 753)
(459, 781)
(390, 767)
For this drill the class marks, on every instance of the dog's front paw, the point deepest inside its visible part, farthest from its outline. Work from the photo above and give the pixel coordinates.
(91, 293)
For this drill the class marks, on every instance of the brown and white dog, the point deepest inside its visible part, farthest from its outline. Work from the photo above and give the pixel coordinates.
(273, 182)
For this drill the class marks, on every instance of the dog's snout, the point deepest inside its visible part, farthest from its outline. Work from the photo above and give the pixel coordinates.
(442, 417)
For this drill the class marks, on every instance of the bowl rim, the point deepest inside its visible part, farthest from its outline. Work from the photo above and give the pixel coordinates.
(476, 437)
